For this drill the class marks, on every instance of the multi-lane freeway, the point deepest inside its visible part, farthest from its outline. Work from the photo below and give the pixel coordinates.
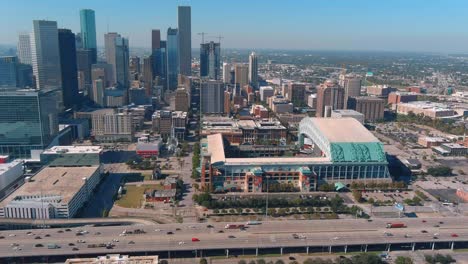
(275, 234)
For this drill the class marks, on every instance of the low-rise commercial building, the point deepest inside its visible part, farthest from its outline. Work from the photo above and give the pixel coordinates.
(259, 111)
(451, 149)
(72, 156)
(429, 142)
(348, 113)
(11, 172)
(401, 97)
(381, 91)
(170, 123)
(114, 259)
(429, 109)
(54, 192)
(148, 147)
(279, 104)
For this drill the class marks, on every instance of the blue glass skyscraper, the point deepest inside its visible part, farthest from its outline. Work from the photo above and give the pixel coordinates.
(88, 31)
(172, 58)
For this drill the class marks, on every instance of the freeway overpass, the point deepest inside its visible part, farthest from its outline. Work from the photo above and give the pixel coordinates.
(269, 237)
(12, 223)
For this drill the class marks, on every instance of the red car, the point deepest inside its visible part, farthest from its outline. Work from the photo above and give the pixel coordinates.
(424, 221)
(454, 235)
(194, 239)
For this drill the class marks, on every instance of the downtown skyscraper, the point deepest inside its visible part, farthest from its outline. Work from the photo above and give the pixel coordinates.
(68, 67)
(45, 55)
(88, 32)
(173, 67)
(24, 48)
(253, 70)
(184, 18)
(210, 60)
(117, 55)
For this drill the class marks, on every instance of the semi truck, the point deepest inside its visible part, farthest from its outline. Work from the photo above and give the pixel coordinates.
(396, 225)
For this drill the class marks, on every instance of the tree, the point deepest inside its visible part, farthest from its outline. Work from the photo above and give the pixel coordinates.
(366, 258)
(279, 261)
(403, 260)
(261, 261)
(242, 261)
(440, 171)
(252, 262)
(203, 261)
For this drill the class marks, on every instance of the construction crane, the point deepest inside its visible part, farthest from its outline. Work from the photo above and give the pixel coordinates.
(202, 36)
(219, 37)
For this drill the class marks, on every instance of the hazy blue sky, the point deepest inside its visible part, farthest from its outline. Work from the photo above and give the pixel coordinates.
(400, 25)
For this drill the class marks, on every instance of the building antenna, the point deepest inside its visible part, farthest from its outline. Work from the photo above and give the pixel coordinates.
(107, 24)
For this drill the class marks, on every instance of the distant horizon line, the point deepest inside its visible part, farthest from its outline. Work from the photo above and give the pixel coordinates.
(300, 49)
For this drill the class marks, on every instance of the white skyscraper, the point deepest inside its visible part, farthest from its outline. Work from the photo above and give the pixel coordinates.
(253, 70)
(45, 55)
(24, 48)
(227, 72)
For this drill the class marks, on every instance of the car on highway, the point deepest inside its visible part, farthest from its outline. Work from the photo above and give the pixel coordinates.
(169, 233)
(209, 226)
(424, 221)
(454, 235)
(181, 243)
(68, 230)
(71, 244)
(131, 242)
(38, 237)
(194, 239)
(220, 231)
(97, 233)
(38, 245)
(2, 237)
(60, 231)
(80, 241)
(11, 235)
(436, 225)
(47, 235)
(292, 258)
(407, 236)
(177, 229)
(14, 244)
(29, 233)
(231, 237)
(115, 240)
(423, 231)
(75, 249)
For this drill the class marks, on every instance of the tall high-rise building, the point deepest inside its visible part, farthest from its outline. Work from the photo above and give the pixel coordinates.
(148, 75)
(24, 48)
(330, 96)
(84, 61)
(352, 86)
(122, 54)
(45, 55)
(173, 66)
(156, 52)
(97, 94)
(241, 78)
(184, 18)
(109, 45)
(28, 121)
(212, 97)
(210, 60)
(117, 54)
(227, 72)
(68, 67)
(88, 31)
(8, 71)
(253, 70)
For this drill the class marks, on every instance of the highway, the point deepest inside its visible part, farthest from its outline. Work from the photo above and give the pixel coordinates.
(275, 234)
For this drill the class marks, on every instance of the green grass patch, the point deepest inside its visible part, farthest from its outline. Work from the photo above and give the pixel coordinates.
(133, 197)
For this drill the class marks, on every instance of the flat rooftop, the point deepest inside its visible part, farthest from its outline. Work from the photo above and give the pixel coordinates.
(73, 150)
(54, 181)
(340, 130)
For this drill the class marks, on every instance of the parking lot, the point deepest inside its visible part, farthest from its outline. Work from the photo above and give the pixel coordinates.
(388, 196)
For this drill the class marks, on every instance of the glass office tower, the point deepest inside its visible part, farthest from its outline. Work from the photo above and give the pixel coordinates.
(172, 58)
(88, 31)
(28, 121)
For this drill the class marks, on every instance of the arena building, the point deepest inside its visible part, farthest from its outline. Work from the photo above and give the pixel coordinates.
(332, 150)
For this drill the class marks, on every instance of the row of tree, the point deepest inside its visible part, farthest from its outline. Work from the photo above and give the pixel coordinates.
(446, 126)
(195, 160)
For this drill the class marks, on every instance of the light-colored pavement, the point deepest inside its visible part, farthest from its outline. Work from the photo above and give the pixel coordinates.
(268, 234)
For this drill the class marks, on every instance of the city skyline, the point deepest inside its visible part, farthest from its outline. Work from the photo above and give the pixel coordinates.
(360, 25)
